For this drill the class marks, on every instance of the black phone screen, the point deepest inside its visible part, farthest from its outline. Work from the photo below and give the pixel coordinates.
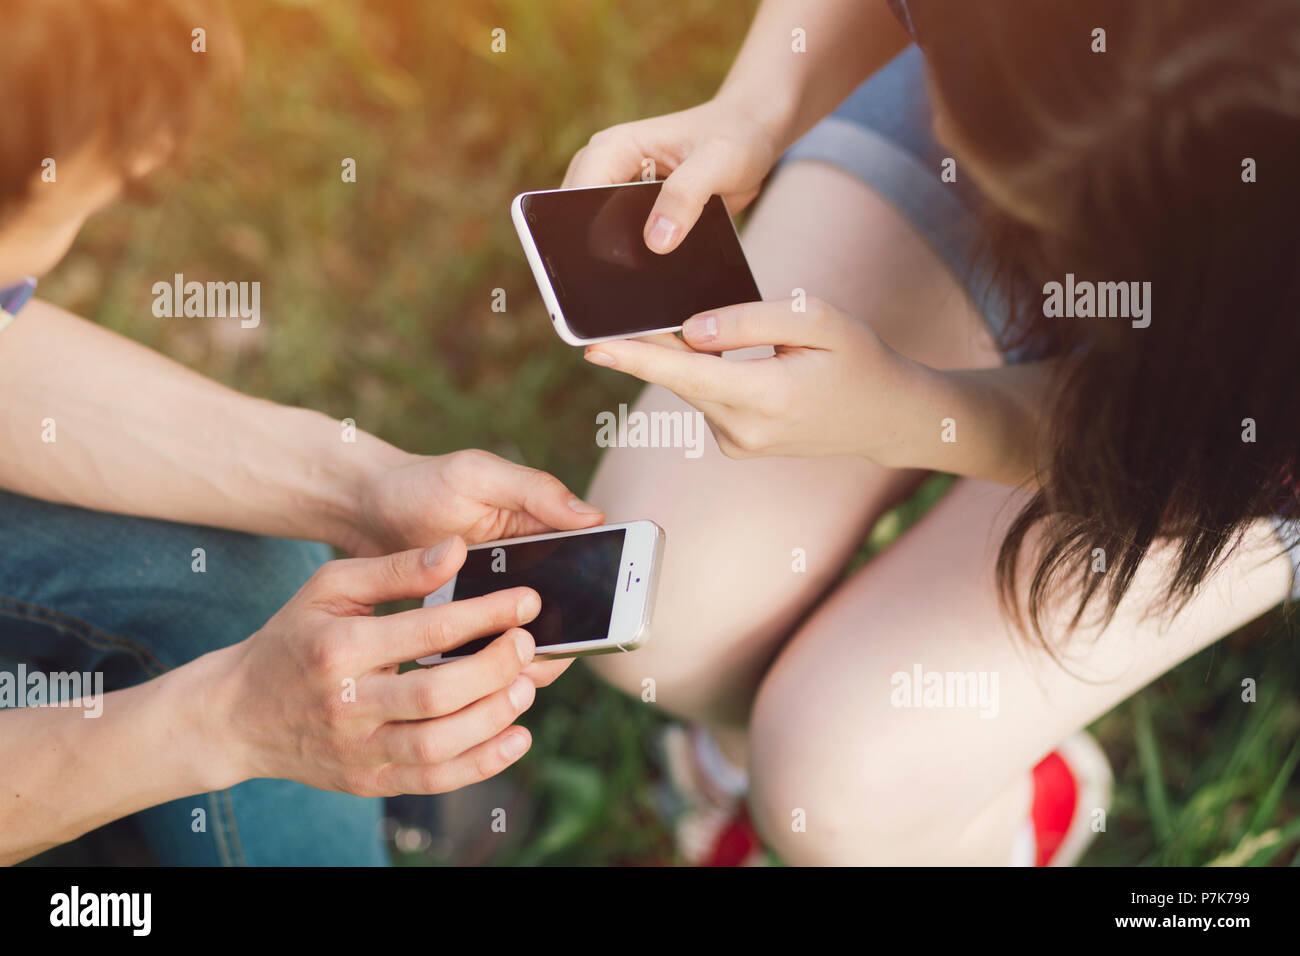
(575, 577)
(607, 281)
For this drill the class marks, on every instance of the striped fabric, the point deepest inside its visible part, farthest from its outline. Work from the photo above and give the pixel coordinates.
(14, 297)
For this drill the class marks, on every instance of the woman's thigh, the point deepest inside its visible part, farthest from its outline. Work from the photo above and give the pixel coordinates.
(750, 544)
(880, 781)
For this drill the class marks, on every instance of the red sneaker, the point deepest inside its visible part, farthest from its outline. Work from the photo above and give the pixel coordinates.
(711, 825)
(719, 837)
(1071, 784)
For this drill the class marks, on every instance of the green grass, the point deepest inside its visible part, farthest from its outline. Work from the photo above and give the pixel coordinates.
(376, 301)
(1202, 775)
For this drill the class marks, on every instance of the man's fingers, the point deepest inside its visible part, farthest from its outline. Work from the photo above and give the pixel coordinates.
(389, 577)
(544, 673)
(443, 738)
(536, 493)
(409, 635)
(694, 376)
(760, 323)
(439, 691)
(478, 763)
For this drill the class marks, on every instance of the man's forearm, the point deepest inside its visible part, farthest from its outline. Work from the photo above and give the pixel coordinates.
(846, 41)
(65, 773)
(92, 419)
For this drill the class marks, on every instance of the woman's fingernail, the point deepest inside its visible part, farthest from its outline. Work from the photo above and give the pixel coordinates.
(601, 358)
(582, 508)
(662, 232)
(521, 692)
(436, 553)
(513, 746)
(701, 328)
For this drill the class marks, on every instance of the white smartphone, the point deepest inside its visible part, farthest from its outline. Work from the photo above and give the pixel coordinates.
(597, 587)
(597, 277)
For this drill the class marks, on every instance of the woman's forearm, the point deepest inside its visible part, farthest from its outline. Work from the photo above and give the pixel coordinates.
(979, 423)
(90, 418)
(845, 41)
(66, 773)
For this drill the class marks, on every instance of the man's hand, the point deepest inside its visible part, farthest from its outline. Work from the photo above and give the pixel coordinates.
(316, 696)
(472, 494)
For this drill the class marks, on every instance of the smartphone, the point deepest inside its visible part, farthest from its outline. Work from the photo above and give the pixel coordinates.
(597, 587)
(597, 277)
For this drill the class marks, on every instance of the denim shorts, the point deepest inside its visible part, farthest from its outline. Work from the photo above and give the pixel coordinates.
(882, 135)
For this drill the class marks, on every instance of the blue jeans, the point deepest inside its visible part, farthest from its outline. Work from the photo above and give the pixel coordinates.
(882, 135)
(86, 591)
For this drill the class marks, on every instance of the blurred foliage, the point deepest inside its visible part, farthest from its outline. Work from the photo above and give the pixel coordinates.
(376, 305)
(377, 295)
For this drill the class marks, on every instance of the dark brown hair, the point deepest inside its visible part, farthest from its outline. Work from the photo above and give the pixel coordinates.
(112, 73)
(1134, 163)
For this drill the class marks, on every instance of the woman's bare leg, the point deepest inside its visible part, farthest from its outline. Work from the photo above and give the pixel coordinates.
(730, 594)
(880, 783)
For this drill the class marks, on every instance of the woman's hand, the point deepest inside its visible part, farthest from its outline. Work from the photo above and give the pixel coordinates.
(419, 501)
(315, 695)
(717, 147)
(771, 95)
(831, 388)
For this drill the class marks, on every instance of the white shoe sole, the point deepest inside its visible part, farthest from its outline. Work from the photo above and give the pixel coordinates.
(1091, 770)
